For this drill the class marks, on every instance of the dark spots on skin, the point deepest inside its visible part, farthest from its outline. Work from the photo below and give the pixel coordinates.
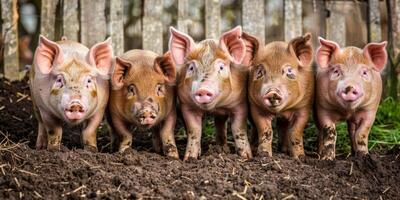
(93, 93)
(50, 132)
(129, 143)
(363, 136)
(150, 100)
(268, 135)
(169, 148)
(237, 137)
(329, 147)
(296, 143)
(193, 137)
(54, 92)
(329, 133)
(361, 143)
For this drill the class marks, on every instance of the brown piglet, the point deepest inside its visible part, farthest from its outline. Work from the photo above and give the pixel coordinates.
(349, 88)
(281, 85)
(143, 96)
(69, 84)
(208, 82)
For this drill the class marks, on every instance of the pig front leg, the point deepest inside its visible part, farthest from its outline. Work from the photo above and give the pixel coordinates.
(327, 137)
(53, 130)
(123, 134)
(41, 142)
(239, 131)
(167, 136)
(296, 128)
(89, 134)
(221, 132)
(360, 128)
(263, 124)
(193, 122)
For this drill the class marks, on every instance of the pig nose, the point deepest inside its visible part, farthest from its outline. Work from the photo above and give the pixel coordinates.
(74, 111)
(350, 93)
(203, 96)
(147, 117)
(272, 98)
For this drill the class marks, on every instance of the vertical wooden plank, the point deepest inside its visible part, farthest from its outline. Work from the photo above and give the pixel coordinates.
(213, 19)
(375, 21)
(93, 22)
(274, 31)
(253, 18)
(335, 23)
(183, 16)
(70, 19)
(9, 15)
(117, 26)
(314, 15)
(293, 19)
(152, 26)
(48, 18)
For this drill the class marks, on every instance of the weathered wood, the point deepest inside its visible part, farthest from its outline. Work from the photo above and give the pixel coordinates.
(375, 21)
(314, 19)
(9, 15)
(183, 16)
(213, 19)
(253, 18)
(335, 23)
(93, 22)
(70, 19)
(48, 18)
(293, 19)
(274, 31)
(117, 26)
(152, 26)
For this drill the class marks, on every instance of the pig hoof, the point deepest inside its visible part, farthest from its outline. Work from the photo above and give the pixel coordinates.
(90, 148)
(53, 147)
(173, 155)
(360, 154)
(124, 148)
(264, 152)
(246, 154)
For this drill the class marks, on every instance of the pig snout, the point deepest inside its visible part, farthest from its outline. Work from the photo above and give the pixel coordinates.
(204, 96)
(350, 93)
(74, 110)
(273, 98)
(147, 116)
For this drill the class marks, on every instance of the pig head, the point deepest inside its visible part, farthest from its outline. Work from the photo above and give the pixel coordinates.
(69, 84)
(349, 88)
(209, 82)
(281, 84)
(143, 95)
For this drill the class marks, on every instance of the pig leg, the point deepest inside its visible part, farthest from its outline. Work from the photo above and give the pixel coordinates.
(41, 142)
(54, 135)
(156, 140)
(283, 135)
(193, 122)
(327, 135)
(89, 133)
(167, 136)
(364, 123)
(351, 129)
(239, 131)
(297, 126)
(264, 131)
(123, 134)
(221, 130)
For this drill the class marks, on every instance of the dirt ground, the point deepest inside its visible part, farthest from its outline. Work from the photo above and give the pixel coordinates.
(73, 173)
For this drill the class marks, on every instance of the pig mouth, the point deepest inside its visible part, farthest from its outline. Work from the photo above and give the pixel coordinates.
(272, 98)
(147, 118)
(75, 112)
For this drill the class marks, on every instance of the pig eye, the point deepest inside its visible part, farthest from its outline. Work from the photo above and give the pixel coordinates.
(191, 67)
(336, 72)
(131, 89)
(160, 90)
(221, 66)
(260, 72)
(290, 73)
(59, 81)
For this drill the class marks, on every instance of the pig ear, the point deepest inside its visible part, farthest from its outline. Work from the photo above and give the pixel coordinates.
(101, 56)
(252, 45)
(180, 44)
(376, 52)
(165, 65)
(232, 43)
(326, 50)
(301, 47)
(121, 68)
(47, 55)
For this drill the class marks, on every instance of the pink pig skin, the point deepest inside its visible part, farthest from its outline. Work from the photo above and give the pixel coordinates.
(69, 84)
(349, 88)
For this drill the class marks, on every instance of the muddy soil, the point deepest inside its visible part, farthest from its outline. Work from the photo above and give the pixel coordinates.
(73, 173)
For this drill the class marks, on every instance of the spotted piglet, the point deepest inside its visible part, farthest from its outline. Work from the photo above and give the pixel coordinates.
(349, 88)
(69, 84)
(143, 96)
(281, 85)
(208, 82)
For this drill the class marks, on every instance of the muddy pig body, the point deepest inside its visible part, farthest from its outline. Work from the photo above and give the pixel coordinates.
(281, 85)
(69, 84)
(349, 88)
(143, 95)
(209, 83)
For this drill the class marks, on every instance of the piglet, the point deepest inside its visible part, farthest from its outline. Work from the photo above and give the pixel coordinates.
(281, 85)
(69, 84)
(209, 83)
(143, 96)
(349, 88)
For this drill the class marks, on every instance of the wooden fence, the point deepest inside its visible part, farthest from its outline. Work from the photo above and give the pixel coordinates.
(90, 21)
